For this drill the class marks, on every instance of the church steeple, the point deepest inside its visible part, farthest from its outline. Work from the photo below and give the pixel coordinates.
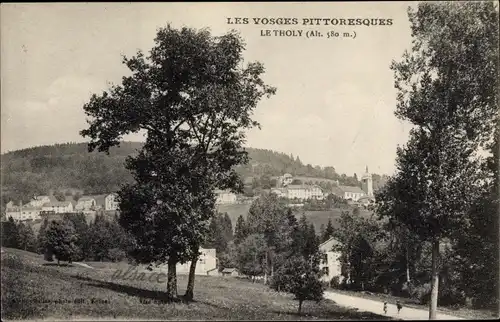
(367, 183)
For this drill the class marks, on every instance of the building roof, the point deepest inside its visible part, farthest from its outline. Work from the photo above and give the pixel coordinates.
(287, 175)
(57, 204)
(86, 198)
(354, 189)
(229, 270)
(366, 197)
(327, 245)
(31, 208)
(302, 186)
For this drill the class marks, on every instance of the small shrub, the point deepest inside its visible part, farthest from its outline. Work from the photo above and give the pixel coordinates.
(422, 293)
(116, 254)
(335, 282)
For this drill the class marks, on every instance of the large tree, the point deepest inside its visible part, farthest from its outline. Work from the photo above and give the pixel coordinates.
(269, 216)
(61, 241)
(448, 90)
(194, 98)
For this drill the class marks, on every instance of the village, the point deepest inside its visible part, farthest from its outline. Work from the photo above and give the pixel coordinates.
(46, 205)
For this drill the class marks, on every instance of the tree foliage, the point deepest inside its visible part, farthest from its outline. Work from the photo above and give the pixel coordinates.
(194, 98)
(61, 240)
(448, 90)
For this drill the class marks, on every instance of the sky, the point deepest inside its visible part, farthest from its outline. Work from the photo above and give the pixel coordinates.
(335, 97)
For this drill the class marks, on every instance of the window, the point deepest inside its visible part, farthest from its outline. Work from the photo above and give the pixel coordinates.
(325, 271)
(202, 261)
(325, 259)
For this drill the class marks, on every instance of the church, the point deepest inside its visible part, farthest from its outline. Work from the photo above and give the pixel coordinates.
(363, 195)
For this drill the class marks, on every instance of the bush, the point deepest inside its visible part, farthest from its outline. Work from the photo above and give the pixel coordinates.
(422, 293)
(116, 254)
(335, 282)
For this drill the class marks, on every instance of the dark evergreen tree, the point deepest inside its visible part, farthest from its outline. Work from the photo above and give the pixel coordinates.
(27, 240)
(10, 234)
(240, 231)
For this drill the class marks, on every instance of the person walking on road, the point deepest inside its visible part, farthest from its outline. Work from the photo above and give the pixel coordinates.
(399, 305)
(385, 308)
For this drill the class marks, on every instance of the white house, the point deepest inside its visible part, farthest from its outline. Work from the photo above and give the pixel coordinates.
(111, 202)
(225, 197)
(58, 207)
(304, 192)
(330, 263)
(351, 192)
(207, 262)
(14, 212)
(32, 213)
(85, 204)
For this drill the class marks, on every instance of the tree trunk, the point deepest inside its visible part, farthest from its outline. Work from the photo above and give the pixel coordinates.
(265, 270)
(300, 307)
(189, 295)
(408, 280)
(435, 281)
(172, 279)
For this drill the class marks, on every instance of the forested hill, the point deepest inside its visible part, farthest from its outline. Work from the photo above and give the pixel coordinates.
(70, 166)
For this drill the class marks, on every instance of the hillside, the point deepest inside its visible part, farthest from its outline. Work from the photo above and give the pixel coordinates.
(69, 167)
(35, 289)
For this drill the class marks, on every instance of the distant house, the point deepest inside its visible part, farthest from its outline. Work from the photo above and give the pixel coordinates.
(13, 212)
(85, 204)
(206, 263)
(225, 197)
(111, 202)
(329, 264)
(58, 207)
(30, 213)
(39, 201)
(303, 192)
(10, 204)
(349, 192)
(230, 272)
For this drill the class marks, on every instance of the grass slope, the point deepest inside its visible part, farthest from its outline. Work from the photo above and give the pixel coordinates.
(32, 289)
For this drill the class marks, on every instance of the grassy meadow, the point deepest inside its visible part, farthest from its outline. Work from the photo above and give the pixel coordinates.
(35, 289)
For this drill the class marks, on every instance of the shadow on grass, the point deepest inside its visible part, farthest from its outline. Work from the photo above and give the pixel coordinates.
(157, 296)
(58, 265)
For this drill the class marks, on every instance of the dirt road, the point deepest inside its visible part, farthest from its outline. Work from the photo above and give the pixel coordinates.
(377, 307)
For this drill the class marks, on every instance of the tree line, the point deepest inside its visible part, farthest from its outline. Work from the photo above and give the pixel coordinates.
(71, 238)
(38, 170)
